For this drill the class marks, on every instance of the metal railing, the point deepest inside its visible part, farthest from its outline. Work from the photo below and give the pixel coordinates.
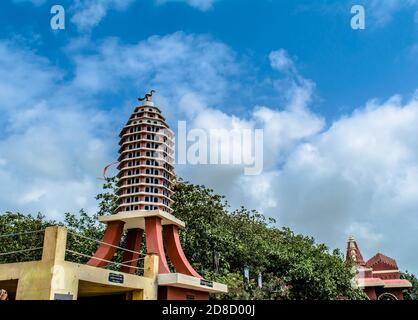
(28, 246)
(21, 246)
(81, 249)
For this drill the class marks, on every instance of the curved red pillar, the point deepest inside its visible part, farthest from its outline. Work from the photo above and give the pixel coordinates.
(105, 251)
(175, 252)
(154, 240)
(133, 243)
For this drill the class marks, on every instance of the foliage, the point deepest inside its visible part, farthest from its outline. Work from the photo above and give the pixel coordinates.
(247, 238)
(108, 199)
(14, 236)
(82, 228)
(412, 293)
(293, 266)
(19, 224)
(273, 288)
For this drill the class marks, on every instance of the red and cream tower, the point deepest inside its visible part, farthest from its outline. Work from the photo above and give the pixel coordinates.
(144, 215)
(146, 170)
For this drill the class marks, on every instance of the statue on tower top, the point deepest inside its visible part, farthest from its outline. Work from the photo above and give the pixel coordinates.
(148, 96)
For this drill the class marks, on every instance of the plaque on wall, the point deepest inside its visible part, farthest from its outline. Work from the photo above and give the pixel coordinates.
(63, 296)
(206, 283)
(115, 278)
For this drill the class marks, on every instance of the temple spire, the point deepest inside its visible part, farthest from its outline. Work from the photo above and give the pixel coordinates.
(353, 252)
(147, 97)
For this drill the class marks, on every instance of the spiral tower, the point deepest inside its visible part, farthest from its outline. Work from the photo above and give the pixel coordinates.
(146, 170)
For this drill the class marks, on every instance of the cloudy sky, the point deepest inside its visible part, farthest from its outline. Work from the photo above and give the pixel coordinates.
(339, 107)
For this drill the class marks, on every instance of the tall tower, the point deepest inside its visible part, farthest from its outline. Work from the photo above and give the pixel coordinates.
(353, 252)
(146, 170)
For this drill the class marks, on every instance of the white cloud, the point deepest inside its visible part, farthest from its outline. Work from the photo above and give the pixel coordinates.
(55, 141)
(364, 231)
(283, 128)
(379, 13)
(14, 91)
(382, 11)
(51, 149)
(202, 5)
(360, 175)
(35, 2)
(87, 14)
(355, 175)
(281, 61)
(182, 68)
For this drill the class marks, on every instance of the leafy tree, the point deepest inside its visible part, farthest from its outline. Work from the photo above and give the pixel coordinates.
(21, 232)
(412, 293)
(108, 199)
(82, 228)
(293, 266)
(274, 288)
(247, 238)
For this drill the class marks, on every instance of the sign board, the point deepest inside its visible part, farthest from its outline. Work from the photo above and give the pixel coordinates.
(61, 296)
(206, 283)
(115, 278)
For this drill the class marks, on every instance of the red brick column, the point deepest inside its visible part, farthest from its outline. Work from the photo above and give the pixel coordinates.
(154, 240)
(112, 236)
(175, 252)
(133, 243)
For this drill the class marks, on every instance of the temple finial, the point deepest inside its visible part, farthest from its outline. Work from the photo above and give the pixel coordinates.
(353, 252)
(148, 96)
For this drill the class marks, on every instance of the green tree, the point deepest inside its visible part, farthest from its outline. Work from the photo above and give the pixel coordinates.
(293, 266)
(247, 238)
(412, 293)
(19, 233)
(83, 229)
(108, 199)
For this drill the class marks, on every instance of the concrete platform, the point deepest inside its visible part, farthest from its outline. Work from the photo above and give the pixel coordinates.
(136, 219)
(179, 280)
(70, 281)
(55, 278)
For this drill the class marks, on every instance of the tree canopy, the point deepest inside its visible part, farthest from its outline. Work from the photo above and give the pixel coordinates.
(410, 294)
(219, 243)
(293, 266)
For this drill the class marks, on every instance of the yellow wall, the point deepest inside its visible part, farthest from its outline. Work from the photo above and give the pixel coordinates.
(42, 280)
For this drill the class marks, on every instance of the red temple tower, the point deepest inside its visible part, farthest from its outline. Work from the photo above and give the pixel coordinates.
(146, 170)
(146, 175)
(379, 277)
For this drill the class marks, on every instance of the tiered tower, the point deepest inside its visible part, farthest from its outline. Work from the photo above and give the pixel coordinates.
(144, 213)
(146, 170)
(146, 175)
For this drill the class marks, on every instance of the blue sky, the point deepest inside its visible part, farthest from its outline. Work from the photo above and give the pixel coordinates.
(340, 117)
(348, 67)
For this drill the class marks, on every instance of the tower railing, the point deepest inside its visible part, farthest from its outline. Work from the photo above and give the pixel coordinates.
(33, 246)
(79, 255)
(21, 246)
